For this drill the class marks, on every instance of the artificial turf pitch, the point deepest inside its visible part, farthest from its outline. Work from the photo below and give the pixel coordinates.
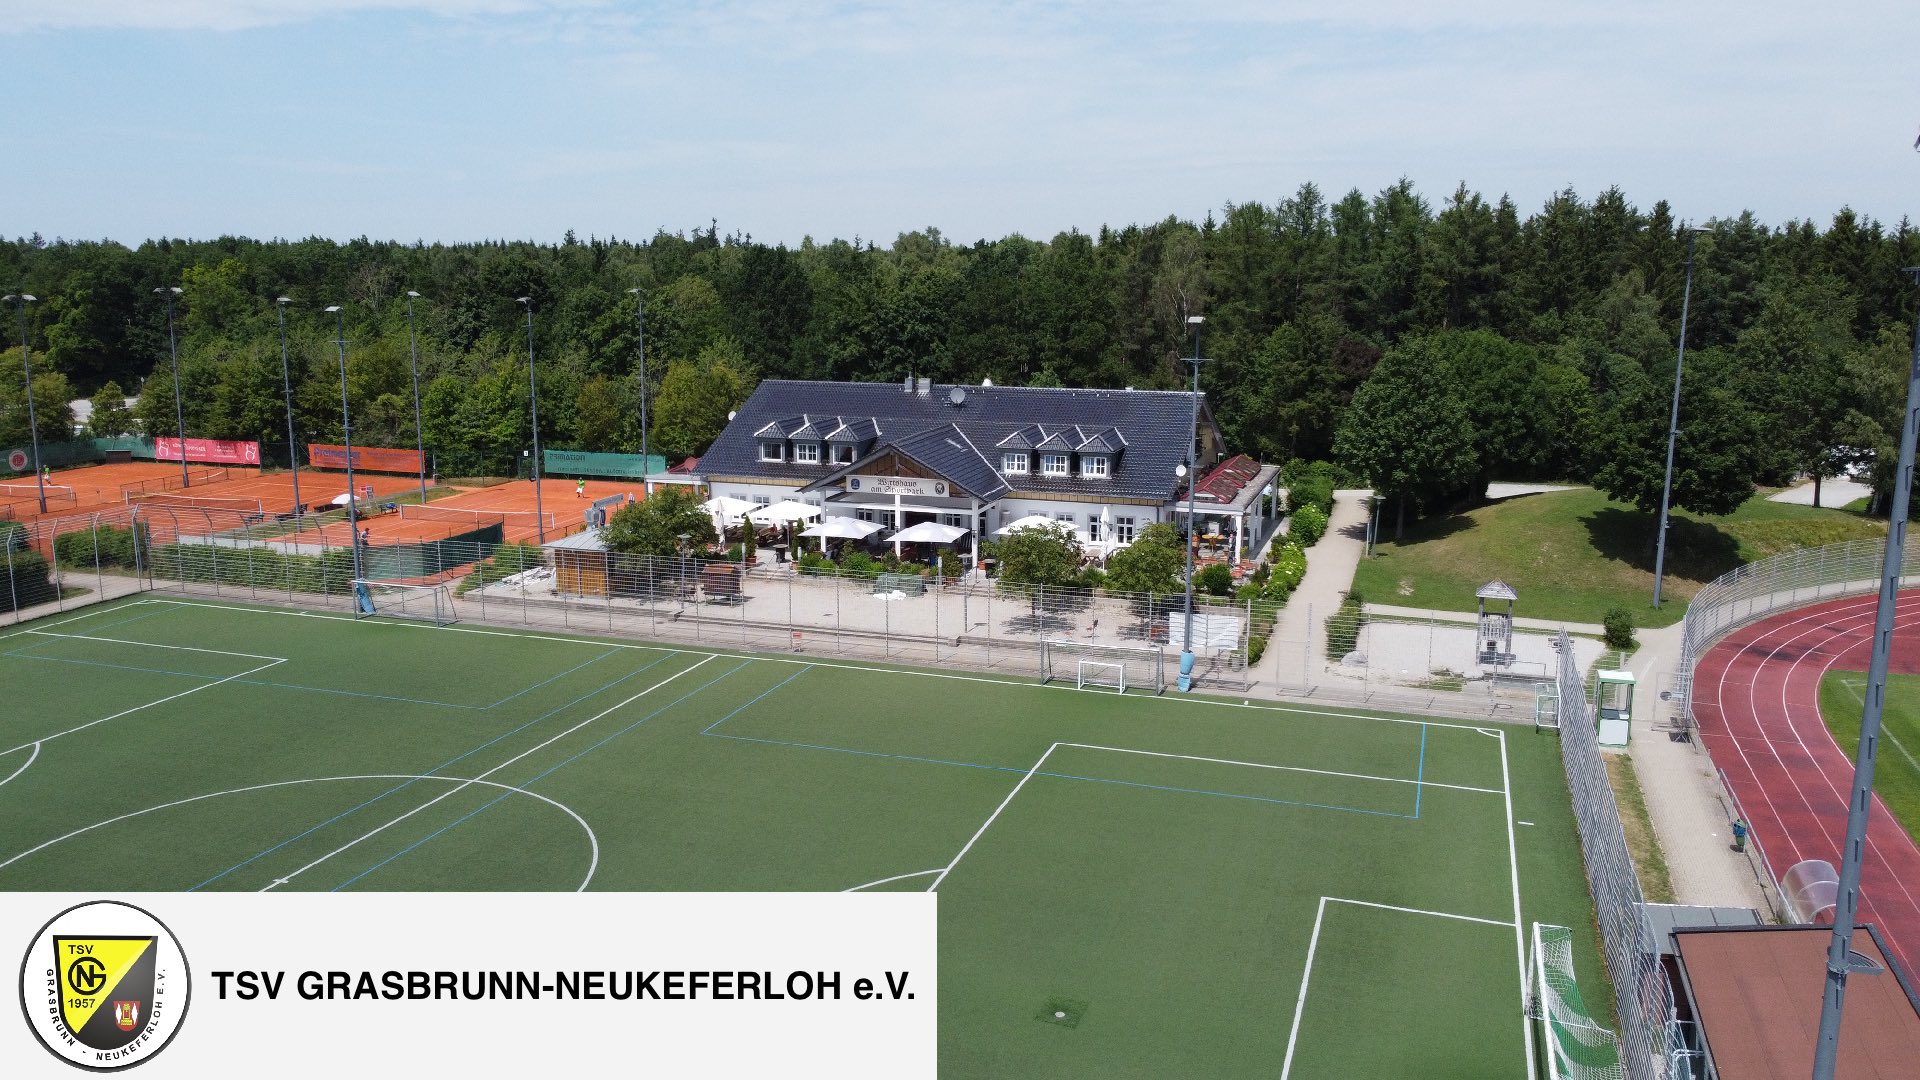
(1204, 888)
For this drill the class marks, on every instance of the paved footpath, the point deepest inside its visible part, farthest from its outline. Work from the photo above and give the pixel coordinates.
(1330, 566)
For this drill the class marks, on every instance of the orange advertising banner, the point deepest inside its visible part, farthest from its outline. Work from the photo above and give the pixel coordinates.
(370, 458)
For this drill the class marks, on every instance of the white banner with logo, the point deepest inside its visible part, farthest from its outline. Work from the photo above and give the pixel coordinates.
(491, 984)
(897, 485)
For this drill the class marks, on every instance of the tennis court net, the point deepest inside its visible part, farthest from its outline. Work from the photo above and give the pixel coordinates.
(525, 519)
(28, 492)
(173, 501)
(171, 483)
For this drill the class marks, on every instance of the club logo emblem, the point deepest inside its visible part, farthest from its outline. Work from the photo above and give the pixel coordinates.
(104, 986)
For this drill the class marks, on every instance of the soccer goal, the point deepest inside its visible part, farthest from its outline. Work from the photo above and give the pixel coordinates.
(1576, 1048)
(428, 603)
(1103, 667)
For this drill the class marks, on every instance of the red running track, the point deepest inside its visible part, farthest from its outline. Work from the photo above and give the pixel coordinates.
(1756, 699)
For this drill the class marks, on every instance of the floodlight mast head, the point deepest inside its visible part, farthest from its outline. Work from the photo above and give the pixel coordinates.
(283, 299)
(413, 294)
(331, 308)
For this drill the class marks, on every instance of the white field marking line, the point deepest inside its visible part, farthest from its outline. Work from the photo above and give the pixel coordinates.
(594, 841)
(1519, 932)
(981, 831)
(776, 658)
(1300, 1004)
(1313, 944)
(30, 760)
(154, 645)
(1284, 768)
(1417, 911)
(148, 705)
(100, 609)
(479, 779)
(882, 881)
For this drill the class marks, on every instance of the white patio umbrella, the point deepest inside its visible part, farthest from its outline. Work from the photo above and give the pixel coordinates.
(726, 506)
(342, 499)
(1031, 521)
(781, 513)
(929, 532)
(841, 528)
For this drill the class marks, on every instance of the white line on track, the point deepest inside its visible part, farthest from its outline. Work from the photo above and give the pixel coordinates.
(153, 645)
(1284, 768)
(593, 841)
(981, 831)
(30, 760)
(148, 705)
(1519, 932)
(276, 882)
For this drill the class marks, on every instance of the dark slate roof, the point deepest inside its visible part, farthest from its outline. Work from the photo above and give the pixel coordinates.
(945, 450)
(1152, 426)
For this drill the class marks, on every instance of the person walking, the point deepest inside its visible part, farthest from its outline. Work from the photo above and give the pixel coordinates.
(1740, 829)
(580, 489)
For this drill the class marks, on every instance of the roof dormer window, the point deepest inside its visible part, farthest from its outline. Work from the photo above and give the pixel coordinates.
(772, 450)
(1056, 465)
(1094, 466)
(1013, 464)
(806, 453)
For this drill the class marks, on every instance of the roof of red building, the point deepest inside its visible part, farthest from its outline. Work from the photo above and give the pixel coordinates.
(1224, 482)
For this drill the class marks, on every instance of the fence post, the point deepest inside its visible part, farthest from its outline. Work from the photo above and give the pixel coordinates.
(13, 591)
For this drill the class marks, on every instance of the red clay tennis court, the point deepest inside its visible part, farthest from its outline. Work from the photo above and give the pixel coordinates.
(94, 487)
(563, 505)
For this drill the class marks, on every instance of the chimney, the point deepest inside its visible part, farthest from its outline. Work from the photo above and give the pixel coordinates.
(926, 387)
(908, 387)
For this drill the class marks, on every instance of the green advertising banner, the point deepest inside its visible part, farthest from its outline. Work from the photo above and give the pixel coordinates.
(586, 463)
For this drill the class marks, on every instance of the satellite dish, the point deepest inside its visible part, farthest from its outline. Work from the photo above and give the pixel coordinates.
(956, 396)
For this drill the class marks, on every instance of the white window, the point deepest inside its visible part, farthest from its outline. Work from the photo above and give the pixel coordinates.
(955, 521)
(762, 500)
(773, 451)
(1093, 527)
(1123, 530)
(814, 501)
(1063, 515)
(866, 515)
(1094, 465)
(1056, 464)
(806, 453)
(842, 453)
(1013, 464)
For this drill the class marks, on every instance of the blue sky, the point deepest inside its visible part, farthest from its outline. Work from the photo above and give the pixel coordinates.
(469, 119)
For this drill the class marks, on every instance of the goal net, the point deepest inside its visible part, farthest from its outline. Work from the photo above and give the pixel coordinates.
(1575, 1046)
(428, 603)
(1103, 667)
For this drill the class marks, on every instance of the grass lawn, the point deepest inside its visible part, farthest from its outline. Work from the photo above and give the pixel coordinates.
(1574, 554)
(1206, 888)
(1896, 771)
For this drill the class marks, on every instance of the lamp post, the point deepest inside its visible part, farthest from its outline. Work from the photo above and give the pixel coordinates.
(640, 327)
(346, 438)
(1193, 475)
(26, 366)
(533, 386)
(419, 433)
(179, 413)
(1673, 422)
(286, 388)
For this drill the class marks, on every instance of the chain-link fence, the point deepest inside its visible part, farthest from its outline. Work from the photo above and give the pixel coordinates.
(903, 615)
(1649, 1045)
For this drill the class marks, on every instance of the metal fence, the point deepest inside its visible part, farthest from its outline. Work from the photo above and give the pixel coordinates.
(971, 621)
(1649, 1043)
(1788, 580)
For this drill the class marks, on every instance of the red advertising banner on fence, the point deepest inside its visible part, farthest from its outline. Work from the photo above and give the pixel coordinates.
(370, 458)
(214, 451)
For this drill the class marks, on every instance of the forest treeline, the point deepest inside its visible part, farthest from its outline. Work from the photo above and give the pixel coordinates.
(1426, 346)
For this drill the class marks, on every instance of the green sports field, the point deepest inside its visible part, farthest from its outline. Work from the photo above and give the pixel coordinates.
(1896, 771)
(1203, 888)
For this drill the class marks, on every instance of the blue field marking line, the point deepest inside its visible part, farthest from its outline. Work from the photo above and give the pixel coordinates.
(1420, 775)
(23, 654)
(450, 761)
(563, 764)
(543, 682)
(756, 700)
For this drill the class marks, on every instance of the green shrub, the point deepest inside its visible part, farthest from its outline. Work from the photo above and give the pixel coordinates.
(952, 564)
(1256, 648)
(859, 564)
(1091, 578)
(108, 545)
(1215, 579)
(1309, 483)
(1618, 622)
(1288, 567)
(813, 560)
(30, 583)
(1309, 525)
(1343, 629)
(329, 573)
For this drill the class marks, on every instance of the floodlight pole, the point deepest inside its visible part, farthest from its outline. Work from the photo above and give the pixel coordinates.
(419, 432)
(179, 413)
(1673, 423)
(533, 386)
(1193, 478)
(1840, 956)
(346, 438)
(33, 429)
(286, 388)
(640, 328)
